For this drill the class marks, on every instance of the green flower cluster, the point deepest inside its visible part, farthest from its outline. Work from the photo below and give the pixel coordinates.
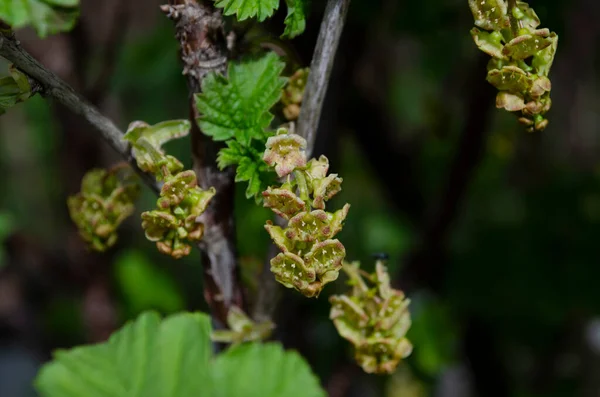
(374, 318)
(174, 223)
(291, 98)
(180, 203)
(105, 200)
(310, 257)
(522, 56)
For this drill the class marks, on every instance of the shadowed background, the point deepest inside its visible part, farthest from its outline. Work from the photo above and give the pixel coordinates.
(492, 232)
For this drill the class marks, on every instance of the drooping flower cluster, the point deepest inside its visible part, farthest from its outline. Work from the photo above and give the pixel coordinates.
(291, 98)
(374, 317)
(180, 203)
(522, 56)
(310, 257)
(106, 199)
(174, 223)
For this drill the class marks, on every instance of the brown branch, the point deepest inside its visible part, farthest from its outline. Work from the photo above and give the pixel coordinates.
(50, 85)
(200, 31)
(320, 70)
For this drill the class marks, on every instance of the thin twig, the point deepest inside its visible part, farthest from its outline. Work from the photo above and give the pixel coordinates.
(53, 87)
(320, 70)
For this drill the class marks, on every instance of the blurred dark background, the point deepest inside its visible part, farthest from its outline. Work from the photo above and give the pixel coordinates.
(494, 233)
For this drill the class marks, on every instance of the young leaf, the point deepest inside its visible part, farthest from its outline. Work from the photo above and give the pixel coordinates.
(295, 21)
(46, 16)
(238, 106)
(244, 9)
(231, 155)
(248, 170)
(254, 370)
(173, 358)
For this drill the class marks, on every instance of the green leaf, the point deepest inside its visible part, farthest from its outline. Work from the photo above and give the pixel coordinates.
(146, 358)
(46, 16)
(244, 9)
(231, 155)
(248, 170)
(13, 89)
(172, 358)
(238, 107)
(295, 21)
(254, 370)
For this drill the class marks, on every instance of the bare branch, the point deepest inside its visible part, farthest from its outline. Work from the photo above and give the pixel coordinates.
(50, 85)
(320, 70)
(201, 34)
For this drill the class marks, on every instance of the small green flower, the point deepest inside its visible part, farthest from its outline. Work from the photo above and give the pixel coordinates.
(290, 270)
(285, 152)
(176, 189)
(527, 45)
(326, 258)
(490, 14)
(283, 202)
(325, 189)
(317, 169)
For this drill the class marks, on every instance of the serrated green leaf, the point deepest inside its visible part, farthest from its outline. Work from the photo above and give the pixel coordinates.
(248, 170)
(254, 370)
(146, 358)
(295, 21)
(46, 16)
(173, 358)
(231, 155)
(244, 9)
(238, 106)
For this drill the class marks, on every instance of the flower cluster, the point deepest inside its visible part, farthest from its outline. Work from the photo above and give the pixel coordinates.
(521, 57)
(291, 98)
(310, 257)
(105, 200)
(175, 222)
(180, 203)
(374, 318)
